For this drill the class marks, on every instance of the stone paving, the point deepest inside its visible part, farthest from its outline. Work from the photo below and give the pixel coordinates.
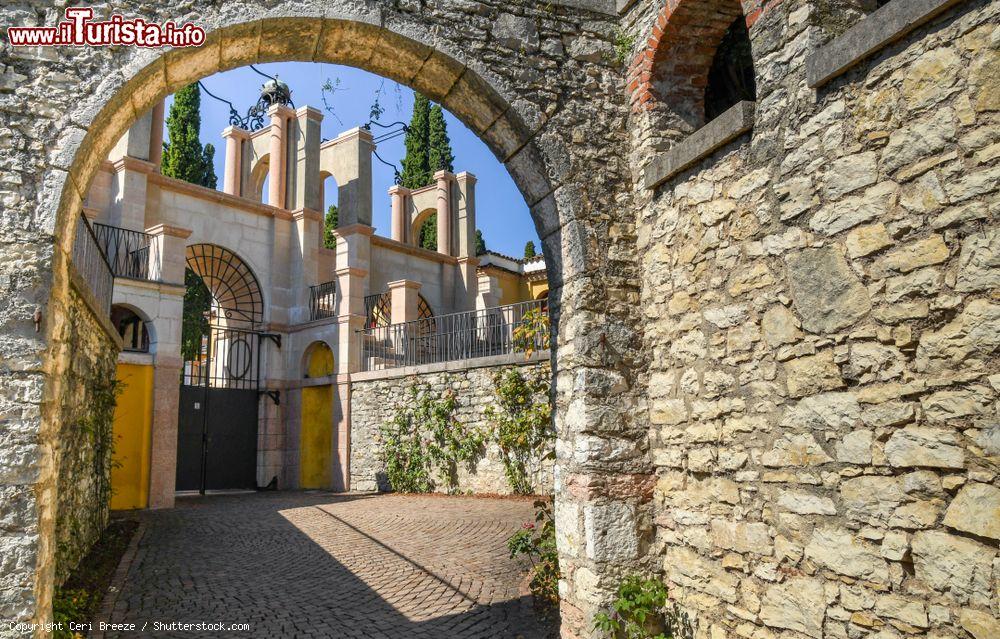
(325, 565)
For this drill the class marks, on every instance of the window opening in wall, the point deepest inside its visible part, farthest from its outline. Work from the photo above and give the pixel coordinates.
(731, 77)
(135, 336)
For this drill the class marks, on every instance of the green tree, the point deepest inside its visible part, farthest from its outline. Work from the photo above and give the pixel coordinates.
(417, 171)
(440, 155)
(194, 322)
(329, 225)
(529, 250)
(428, 150)
(184, 157)
(480, 243)
(428, 238)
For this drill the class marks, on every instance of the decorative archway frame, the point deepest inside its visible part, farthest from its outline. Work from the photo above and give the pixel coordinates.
(559, 143)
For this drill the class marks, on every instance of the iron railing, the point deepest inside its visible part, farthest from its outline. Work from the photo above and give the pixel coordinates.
(229, 358)
(446, 338)
(131, 254)
(323, 301)
(92, 264)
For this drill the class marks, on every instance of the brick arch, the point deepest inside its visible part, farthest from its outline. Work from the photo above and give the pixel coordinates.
(671, 71)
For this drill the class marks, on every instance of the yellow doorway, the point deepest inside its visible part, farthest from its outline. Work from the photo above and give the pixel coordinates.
(316, 442)
(132, 426)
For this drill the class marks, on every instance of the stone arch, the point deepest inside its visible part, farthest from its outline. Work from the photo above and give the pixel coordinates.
(418, 222)
(258, 175)
(670, 74)
(528, 130)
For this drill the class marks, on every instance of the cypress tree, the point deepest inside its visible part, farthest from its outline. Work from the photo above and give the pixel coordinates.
(428, 150)
(208, 162)
(480, 243)
(184, 157)
(416, 165)
(441, 157)
(529, 250)
(329, 224)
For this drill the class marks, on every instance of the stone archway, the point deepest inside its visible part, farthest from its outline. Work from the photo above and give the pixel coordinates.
(559, 144)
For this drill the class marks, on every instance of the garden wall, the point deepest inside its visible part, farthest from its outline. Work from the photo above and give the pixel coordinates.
(86, 442)
(374, 402)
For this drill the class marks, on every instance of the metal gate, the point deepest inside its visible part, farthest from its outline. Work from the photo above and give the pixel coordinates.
(217, 424)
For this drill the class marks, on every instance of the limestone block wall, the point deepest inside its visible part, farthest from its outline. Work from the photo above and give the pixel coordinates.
(84, 446)
(375, 402)
(823, 369)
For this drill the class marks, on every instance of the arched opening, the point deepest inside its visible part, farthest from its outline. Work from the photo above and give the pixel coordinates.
(697, 65)
(422, 234)
(132, 327)
(329, 196)
(258, 183)
(731, 77)
(237, 300)
(467, 89)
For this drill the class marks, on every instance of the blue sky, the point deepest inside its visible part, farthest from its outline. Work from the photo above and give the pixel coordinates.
(502, 214)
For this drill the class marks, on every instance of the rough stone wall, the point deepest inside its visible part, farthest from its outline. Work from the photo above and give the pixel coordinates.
(85, 447)
(535, 80)
(374, 403)
(823, 329)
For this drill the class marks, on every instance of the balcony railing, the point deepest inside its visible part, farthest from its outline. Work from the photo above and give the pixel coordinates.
(92, 264)
(323, 301)
(446, 338)
(131, 254)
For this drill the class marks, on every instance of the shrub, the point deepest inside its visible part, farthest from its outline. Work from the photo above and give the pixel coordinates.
(537, 541)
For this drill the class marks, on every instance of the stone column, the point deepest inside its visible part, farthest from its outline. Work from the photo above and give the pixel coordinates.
(156, 135)
(232, 182)
(465, 214)
(405, 296)
(167, 257)
(444, 208)
(163, 440)
(278, 152)
(354, 176)
(304, 184)
(303, 266)
(400, 196)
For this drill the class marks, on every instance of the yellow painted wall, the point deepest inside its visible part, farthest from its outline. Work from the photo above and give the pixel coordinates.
(316, 440)
(132, 431)
(535, 289)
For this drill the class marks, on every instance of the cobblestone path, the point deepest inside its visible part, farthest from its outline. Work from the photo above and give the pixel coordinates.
(324, 565)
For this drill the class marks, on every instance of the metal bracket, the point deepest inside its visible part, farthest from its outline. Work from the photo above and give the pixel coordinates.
(273, 394)
(274, 337)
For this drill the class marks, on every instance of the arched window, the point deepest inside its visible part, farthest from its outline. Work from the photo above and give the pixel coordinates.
(380, 309)
(696, 65)
(731, 78)
(236, 295)
(132, 328)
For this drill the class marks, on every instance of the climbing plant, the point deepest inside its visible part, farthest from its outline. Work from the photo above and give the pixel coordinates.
(423, 444)
(522, 423)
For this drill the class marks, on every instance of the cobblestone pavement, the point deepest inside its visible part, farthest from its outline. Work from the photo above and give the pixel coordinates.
(324, 565)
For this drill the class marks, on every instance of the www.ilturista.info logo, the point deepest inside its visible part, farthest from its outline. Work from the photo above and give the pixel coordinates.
(80, 30)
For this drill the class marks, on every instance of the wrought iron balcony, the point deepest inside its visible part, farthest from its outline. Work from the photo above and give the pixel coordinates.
(131, 254)
(323, 301)
(92, 264)
(454, 337)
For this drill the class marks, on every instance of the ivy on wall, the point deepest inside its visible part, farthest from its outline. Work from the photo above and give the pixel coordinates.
(423, 444)
(522, 420)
